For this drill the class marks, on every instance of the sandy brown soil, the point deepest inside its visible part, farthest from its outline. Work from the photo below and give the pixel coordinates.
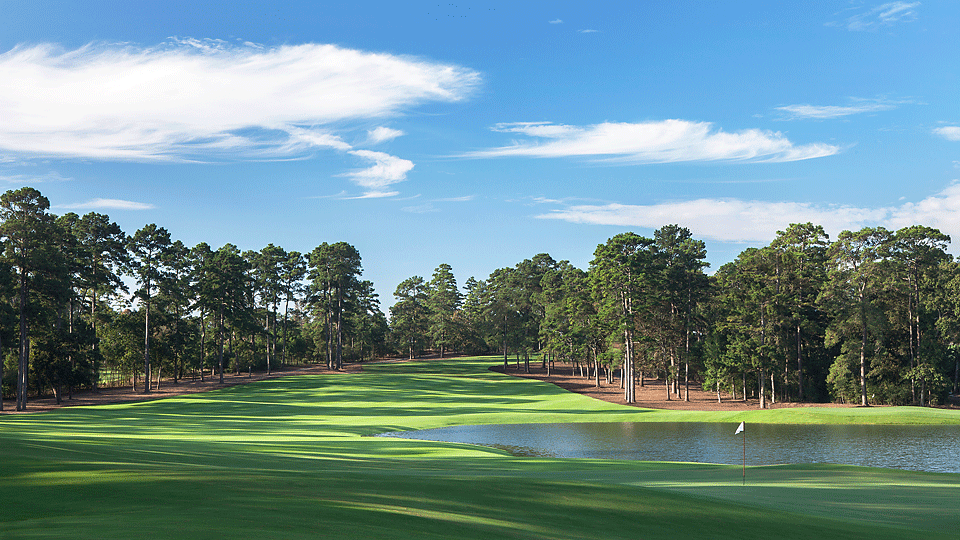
(167, 389)
(652, 395)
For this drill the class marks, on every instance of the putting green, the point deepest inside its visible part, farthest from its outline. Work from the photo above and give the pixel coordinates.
(287, 458)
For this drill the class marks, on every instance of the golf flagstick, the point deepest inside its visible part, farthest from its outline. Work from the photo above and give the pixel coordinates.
(742, 430)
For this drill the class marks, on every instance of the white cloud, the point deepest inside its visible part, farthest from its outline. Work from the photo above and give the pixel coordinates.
(950, 133)
(821, 112)
(556, 21)
(880, 16)
(385, 171)
(204, 99)
(107, 204)
(383, 134)
(736, 220)
(665, 141)
(588, 31)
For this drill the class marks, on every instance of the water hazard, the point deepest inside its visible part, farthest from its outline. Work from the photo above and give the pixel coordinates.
(918, 448)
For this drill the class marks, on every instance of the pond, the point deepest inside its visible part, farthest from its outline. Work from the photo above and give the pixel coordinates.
(917, 448)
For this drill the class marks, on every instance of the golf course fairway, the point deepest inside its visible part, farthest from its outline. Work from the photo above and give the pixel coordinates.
(289, 458)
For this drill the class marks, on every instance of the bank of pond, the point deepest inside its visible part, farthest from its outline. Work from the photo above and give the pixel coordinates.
(930, 448)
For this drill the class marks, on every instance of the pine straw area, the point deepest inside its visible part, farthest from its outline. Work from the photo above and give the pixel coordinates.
(652, 395)
(168, 388)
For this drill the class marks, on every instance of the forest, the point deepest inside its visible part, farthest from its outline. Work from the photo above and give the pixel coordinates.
(871, 317)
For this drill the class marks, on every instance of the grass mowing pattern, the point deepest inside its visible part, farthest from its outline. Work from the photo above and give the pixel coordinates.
(285, 458)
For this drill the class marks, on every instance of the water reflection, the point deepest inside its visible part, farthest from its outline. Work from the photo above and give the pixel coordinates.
(919, 448)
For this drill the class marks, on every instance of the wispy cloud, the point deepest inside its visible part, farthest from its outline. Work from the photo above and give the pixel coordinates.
(822, 112)
(40, 178)
(880, 16)
(588, 31)
(737, 220)
(385, 171)
(425, 208)
(666, 141)
(556, 21)
(465, 198)
(107, 204)
(950, 133)
(545, 200)
(383, 134)
(300, 139)
(191, 99)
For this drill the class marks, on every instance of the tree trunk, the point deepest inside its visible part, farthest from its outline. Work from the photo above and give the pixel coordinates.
(96, 360)
(268, 341)
(286, 309)
(329, 317)
(220, 341)
(763, 397)
(73, 361)
(629, 382)
(913, 380)
(146, 345)
(24, 346)
(799, 365)
(672, 373)
(339, 328)
(863, 360)
(596, 368)
(956, 372)
(203, 338)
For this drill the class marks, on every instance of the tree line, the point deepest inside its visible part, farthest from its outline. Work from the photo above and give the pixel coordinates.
(872, 317)
(869, 318)
(69, 320)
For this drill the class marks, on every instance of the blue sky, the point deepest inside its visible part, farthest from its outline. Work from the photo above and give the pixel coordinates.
(480, 134)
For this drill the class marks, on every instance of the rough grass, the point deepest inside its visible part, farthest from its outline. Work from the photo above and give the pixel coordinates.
(287, 458)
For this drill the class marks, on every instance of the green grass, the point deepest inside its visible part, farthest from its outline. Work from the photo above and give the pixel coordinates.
(287, 458)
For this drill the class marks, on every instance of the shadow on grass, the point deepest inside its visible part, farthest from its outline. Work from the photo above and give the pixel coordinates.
(322, 405)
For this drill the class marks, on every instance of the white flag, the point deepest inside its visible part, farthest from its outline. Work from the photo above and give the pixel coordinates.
(739, 429)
